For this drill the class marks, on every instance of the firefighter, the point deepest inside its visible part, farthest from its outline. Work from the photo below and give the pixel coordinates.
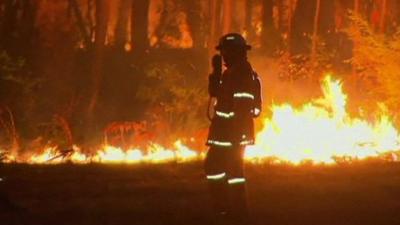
(235, 100)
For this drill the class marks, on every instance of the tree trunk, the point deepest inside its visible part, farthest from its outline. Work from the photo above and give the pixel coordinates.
(121, 29)
(215, 25)
(301, 26)
(267, 16)
(270, 36)
(279, 5)
(355, 41)
(315, 34)
(80, 22)
(27, 29)
(9, 23)
(193, 12)
(357, 6)
(89, 18)
(248, 26)
(227, 16)
(396, 13)
(291, 9)
(139, 23)
(382, 25)
(98, 57)
(1, 14)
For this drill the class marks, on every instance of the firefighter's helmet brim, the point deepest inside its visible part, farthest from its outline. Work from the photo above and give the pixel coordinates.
(232, 41)
(220, 47)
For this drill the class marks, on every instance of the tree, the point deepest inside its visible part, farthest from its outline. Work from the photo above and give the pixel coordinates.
(9, 22)
(121, 29)
(270, 36)
(302, 27)
(356, 37)
(194, 17)
(89, 17)
(248, 23)
(98, 54)
(139, 23)
(384, 9)
(215, 25)
(291, 9)
(315, 32)
(227, 16)
(80, 21)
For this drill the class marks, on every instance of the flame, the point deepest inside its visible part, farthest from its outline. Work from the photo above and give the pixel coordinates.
(155, 154)
(111, 154)
(321, 131)
(52, 155)
(48, 154)
(4, 157)
(183, 153)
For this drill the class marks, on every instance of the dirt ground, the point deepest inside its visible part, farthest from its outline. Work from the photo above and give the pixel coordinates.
(358, 194)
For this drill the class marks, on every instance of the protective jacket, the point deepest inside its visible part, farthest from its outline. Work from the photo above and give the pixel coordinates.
(238, 102)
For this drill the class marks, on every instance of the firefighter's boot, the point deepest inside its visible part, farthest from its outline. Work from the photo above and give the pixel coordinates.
(238, 210)
(219, 196)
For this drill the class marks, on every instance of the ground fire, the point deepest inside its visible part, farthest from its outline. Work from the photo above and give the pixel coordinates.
(320, 131)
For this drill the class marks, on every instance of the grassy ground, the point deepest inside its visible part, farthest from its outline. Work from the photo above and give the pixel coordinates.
(362, 194)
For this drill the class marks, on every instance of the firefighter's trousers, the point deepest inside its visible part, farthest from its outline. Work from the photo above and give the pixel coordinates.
(224, 171)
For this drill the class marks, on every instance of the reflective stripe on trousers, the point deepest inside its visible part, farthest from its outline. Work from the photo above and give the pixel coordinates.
(238, 180)
(224, 114)
(219, 176)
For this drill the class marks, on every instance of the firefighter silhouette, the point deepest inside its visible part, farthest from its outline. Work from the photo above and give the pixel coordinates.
(235, 100)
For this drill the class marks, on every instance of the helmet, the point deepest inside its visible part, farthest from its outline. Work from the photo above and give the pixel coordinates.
(232, 40)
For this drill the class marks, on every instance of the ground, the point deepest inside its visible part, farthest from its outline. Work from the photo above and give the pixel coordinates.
(357, 194)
